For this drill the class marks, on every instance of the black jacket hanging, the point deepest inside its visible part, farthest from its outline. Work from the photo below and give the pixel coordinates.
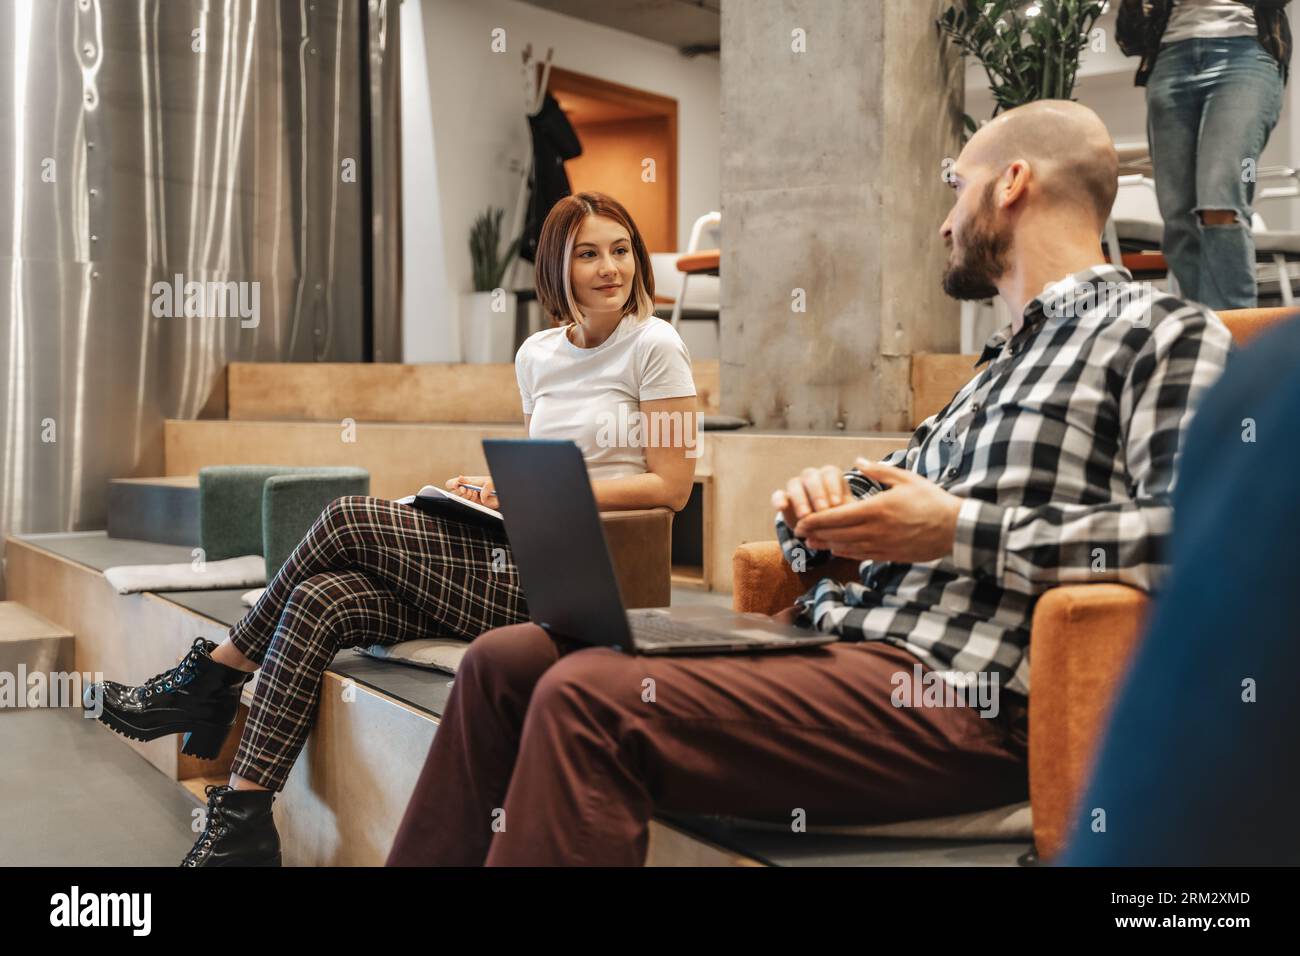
(554, 141)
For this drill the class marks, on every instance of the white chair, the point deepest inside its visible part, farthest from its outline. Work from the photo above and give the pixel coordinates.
(709, 219)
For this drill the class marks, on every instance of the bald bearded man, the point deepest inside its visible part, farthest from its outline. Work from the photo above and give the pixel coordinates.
(1052, 465)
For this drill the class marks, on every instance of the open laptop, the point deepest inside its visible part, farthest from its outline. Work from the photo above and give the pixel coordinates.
(568, 578)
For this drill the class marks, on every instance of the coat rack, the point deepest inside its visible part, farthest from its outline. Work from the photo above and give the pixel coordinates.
(535, 83)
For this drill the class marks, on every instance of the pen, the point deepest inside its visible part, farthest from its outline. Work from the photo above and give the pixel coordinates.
(478, 488)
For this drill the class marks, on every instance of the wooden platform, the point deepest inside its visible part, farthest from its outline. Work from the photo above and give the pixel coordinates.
(32, 644)
(389, 392)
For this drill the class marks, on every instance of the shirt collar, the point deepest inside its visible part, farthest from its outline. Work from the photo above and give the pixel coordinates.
(1036, 310)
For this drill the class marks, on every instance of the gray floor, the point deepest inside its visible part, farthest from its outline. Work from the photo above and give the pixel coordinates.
(72, 794)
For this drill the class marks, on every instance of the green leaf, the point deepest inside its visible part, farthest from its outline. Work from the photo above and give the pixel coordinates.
(1033, 57)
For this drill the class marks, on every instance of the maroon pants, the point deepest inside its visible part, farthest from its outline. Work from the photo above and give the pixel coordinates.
(548, 755)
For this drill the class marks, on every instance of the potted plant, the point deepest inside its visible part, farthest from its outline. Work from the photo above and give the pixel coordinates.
(487, 315)
(1029, 51)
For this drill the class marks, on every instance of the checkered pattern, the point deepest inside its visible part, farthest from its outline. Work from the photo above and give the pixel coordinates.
(369, 571)
(1064, 450)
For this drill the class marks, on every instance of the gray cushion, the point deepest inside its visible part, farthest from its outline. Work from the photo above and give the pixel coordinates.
(442, 654)
(724, 423)
(1272, 243)
(1142, 231)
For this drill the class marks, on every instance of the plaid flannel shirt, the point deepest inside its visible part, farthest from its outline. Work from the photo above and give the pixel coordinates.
(1063, 449)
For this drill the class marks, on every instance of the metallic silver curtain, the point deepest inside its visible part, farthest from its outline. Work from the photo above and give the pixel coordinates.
(169, 141)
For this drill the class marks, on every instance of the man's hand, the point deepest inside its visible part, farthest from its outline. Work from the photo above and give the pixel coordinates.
(913, 520)
(816, 489)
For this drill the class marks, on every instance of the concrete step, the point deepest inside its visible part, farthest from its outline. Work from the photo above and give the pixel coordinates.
(164, 509)
(31, 644)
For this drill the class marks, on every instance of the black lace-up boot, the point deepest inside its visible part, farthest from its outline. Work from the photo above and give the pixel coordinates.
(198, 698)
(240, 830)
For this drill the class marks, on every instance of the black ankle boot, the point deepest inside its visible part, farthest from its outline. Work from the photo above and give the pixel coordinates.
(198, 697)
(240, 830)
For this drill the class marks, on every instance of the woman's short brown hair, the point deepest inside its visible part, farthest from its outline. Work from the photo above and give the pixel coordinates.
(555, 256)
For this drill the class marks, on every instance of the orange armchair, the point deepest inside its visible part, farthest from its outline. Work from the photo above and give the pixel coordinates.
(1082, 638)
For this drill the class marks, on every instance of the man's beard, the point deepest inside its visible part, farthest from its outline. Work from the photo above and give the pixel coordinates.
(985, 256)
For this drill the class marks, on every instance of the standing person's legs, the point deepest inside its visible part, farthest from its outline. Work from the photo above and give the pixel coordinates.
(1242, 104)
(1174, 104)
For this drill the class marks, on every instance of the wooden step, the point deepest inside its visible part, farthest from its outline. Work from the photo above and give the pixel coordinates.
(434, 392)
(164, 509)
(31, 644)
(401, 458)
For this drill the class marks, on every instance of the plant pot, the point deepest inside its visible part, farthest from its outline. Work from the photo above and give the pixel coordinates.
(487, 326)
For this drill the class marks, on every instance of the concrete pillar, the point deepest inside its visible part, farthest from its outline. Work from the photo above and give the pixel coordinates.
(836, 118)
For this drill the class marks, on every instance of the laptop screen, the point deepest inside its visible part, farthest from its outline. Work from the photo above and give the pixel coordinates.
(557, 540)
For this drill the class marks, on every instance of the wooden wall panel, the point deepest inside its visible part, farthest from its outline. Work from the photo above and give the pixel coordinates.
(747, 467)
(936, 378)
(400, 458)
(384, 392)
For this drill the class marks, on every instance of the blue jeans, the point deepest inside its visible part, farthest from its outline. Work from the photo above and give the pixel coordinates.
(1211, 105)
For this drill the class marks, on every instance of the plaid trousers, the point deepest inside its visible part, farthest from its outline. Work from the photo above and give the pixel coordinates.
(369, 571)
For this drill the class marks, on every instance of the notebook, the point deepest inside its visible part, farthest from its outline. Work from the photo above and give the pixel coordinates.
(444, 504)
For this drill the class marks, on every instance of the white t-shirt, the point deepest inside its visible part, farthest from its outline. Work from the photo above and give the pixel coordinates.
(592, 397)
(1209, 18)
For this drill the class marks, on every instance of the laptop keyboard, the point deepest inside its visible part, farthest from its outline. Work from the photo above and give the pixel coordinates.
(659, 630)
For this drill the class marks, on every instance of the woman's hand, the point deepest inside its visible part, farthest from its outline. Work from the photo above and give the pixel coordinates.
(487, 497)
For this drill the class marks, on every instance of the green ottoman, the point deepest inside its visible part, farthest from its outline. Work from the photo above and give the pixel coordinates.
(266, 509)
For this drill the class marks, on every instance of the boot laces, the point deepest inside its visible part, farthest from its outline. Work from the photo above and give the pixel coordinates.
(169, 679)
(216, 825)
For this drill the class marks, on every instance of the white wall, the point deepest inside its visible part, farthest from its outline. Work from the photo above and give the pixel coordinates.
(426, 336)
(465, 134)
